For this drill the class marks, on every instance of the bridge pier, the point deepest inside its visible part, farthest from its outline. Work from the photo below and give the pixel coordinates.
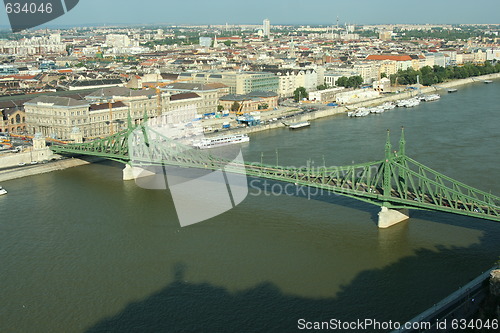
(131, 173)
(388, 217)
(128, 172)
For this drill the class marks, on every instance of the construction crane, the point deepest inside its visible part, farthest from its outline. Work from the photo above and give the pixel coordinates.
(111, 131)
(240, 112)
(159, 105)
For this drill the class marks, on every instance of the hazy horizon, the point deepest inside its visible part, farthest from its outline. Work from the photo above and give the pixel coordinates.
(279, 12)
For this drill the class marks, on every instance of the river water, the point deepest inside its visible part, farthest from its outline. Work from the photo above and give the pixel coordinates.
(83, 251)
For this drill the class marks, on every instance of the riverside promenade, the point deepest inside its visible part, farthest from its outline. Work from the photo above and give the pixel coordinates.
(344, 108)
(31, 170)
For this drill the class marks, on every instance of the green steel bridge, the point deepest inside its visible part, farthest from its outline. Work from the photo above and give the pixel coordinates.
(395, 182)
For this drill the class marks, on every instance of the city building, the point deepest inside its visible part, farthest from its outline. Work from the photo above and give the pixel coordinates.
(266, 28)
(384, 84)
(254, 101)
(385, 35)
(12, 120)
(355, 96)
(118, 40)
(105, 112)
(238, 82)
(291, 79)
(56, 116)
(205, 41)
(50, 44)
(208, 94)
(93, 84)
(326, 95)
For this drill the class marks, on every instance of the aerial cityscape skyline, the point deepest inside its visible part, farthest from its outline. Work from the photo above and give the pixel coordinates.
(321, 12)
(259, 167)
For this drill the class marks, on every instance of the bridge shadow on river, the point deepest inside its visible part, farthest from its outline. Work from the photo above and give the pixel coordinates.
(201, 307)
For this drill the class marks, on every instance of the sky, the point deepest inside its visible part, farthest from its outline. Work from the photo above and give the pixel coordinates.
(313, 12)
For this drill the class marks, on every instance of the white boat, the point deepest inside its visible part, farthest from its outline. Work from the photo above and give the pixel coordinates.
(362, 112)
(220, 141)
(388, 106)
(430, 98)
(2, 191)
(401, 103)
(299, 125)
(376, 110)
(412, 102)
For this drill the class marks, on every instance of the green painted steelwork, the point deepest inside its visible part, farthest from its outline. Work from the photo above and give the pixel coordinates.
(397, 181)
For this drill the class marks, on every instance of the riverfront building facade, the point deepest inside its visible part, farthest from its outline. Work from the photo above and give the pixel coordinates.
(105, 112)
(238, 82)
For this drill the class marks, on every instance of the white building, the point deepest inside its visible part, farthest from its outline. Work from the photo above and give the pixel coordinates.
(205, 41)
(34, 45)
(290, 79)
(323, 96)
(116, 40)
(367, 70)
(384, 84)
(355, 96)
(492, 54)
(266, 27)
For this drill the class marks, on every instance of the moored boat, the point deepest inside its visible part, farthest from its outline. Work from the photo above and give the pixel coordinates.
(220, 141)
(362, 112)
(299, 125)
(388, 106)
(412, 102)
(430, 98)
(2, 191)
(376, 110)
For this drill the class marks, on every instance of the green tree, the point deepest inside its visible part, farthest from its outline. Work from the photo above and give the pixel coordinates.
(322, 86)
(220, 108)
(227, 43)
(354, 81)
(350, 82)
(235, 106)
(300, 93)
(342, 81)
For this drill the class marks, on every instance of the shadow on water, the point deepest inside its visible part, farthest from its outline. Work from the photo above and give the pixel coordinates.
(272, 187)
(276, 188)
(183, 306)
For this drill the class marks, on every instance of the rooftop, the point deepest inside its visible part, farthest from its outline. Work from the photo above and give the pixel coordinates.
(58, 101)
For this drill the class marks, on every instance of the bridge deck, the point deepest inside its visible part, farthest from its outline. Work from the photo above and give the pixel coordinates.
(395, 182)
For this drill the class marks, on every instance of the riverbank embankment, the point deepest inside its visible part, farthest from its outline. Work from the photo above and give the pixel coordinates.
(462, 304)
(31, 170)
(333, 111)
